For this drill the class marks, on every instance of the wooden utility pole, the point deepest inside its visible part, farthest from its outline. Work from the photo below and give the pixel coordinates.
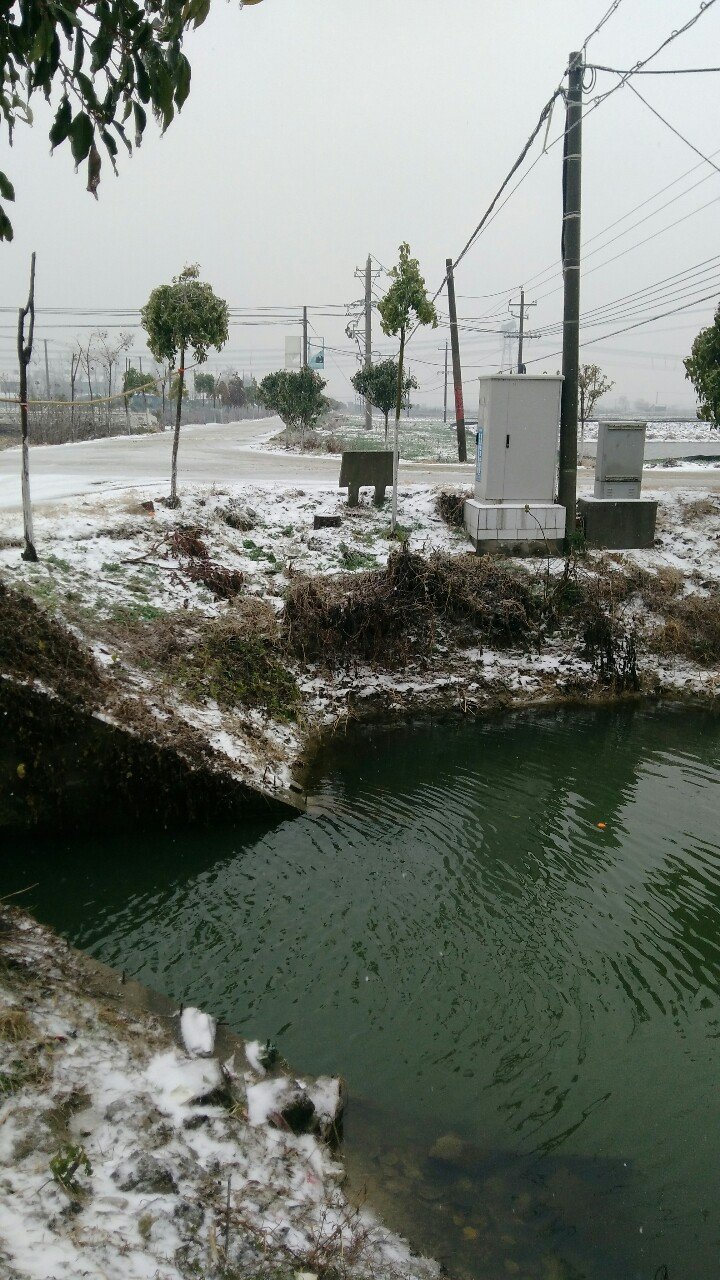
(47, 370)
(24, 357)
(572, 201)
(368, 335)
(457, 373)
(305, 339)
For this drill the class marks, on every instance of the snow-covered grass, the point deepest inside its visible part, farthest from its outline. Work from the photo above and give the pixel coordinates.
(126, 1157)
(421, 439)
(116, 574)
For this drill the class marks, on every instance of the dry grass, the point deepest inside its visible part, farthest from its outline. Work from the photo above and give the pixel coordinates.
(451, 506)
(14, 1024)
(33, 645)
(691, 630)
(385, 615)
(700, 508)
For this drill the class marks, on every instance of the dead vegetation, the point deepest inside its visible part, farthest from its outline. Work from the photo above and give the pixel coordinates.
(691, 629)
(451, 506)
(385, 615)
(700, 508)
(36, 646)
(237, 659)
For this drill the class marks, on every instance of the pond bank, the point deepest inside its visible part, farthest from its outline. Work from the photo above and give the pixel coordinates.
(138, 1140)
(220, 641)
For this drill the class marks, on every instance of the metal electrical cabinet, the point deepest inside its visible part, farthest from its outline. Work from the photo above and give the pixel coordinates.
(518, 423)
(619, 462)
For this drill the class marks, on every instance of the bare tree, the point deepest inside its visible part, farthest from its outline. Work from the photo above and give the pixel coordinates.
(24, 358)
(109, 352)
(76, 356)
(592, 385)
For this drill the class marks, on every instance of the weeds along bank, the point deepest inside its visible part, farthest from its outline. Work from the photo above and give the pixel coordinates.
(231, 631)
(149, 1143)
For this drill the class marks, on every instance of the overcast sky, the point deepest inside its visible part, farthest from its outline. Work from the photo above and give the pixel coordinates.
(318, 131)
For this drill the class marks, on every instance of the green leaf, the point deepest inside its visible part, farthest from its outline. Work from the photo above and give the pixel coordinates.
(101, 48)
(6, 231)
(79, 50)
(143, 80)
(61, 124)
(140, 122)
(182, 80)
(81, 136)
(7, 191)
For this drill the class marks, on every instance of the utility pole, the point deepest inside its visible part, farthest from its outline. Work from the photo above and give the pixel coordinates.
(524, 306)
(572, 201)
(304, 339)
(368, 334)
(457, 374)
(47, 370)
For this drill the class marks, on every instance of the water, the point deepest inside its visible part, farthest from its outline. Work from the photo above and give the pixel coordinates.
(458, 937)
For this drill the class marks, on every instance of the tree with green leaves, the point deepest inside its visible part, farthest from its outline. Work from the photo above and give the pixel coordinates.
(105, 65)
(133, 380)
(296, 396)
(234, 392)
(180, 317)
(205, 385)
(702, 367)
(378, 383)
(406, 300)
(592, 385)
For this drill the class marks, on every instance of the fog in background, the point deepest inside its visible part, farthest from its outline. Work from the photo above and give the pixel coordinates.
(318, 131)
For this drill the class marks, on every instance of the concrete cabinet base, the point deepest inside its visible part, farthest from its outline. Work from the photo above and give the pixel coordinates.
(617, 524)
(514, 527)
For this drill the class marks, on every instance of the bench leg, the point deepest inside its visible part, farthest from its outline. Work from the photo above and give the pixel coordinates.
(379, 494)
(353, 495)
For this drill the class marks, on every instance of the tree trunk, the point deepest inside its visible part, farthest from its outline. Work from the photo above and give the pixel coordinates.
(174, 501)
(24, 357)
(387, 415)
(396, 440)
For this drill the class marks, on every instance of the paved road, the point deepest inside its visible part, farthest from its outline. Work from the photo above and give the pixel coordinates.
(222, 453)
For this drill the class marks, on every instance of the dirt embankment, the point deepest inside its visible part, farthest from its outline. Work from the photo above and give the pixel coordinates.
(187, 659)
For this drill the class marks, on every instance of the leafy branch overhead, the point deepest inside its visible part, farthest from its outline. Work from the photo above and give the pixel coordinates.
(110, 62)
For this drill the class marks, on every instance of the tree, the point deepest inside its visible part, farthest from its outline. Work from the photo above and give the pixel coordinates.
(296, 396)
(205, 385)
(592, 385)
(233, 392)
(178, 317)
(176, 389)
(378, 382)
(108, 353)
(24, 350)
(702, 367)
(133, 380)
(108, 62)
(406, 297)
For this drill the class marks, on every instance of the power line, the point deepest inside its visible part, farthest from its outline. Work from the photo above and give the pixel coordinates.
(654, 71)
(605, 18)
(672, 129)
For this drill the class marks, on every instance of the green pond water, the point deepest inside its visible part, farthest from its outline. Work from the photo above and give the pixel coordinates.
(457, 936)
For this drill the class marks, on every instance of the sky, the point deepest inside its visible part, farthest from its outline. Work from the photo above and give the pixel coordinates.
(319, 131)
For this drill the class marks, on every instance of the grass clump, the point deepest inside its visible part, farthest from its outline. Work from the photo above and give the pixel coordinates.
(700, 508)
(691, 629)
(14, 1024)
(36, 646)
(451, 507)
(237, 661)
(385, 615)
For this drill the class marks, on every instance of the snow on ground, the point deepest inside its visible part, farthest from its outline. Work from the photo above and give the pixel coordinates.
(685, 429)
(106, 562)
(125, 1158)
(421, 439)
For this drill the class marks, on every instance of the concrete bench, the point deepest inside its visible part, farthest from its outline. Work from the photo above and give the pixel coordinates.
(363, 467)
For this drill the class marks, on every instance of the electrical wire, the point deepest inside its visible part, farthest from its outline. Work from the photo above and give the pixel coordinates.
(672, 129)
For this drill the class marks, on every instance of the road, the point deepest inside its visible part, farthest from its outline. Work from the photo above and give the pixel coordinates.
(223, 453)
